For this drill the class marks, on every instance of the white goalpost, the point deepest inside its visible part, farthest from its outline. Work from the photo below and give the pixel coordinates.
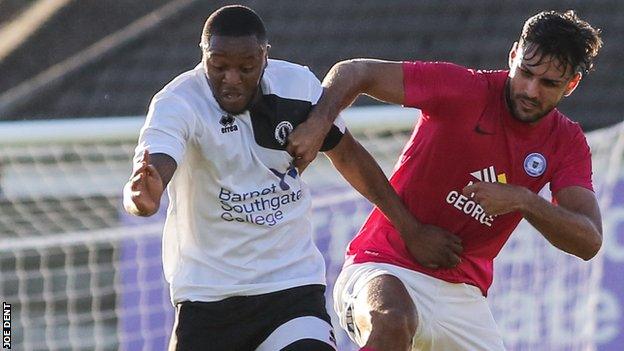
(81, 274)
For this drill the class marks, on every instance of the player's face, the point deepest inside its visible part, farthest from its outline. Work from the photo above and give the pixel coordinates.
(234, 66)
(537, 83)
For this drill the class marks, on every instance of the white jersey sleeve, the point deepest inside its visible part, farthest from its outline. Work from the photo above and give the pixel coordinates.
(169, 125)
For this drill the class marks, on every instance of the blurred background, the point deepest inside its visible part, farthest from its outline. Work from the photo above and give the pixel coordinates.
(76, 77)
(88, 58)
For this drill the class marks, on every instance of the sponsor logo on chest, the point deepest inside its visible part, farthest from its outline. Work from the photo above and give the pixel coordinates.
(469, 207)
(534, 165)
(261, 206)
(228, 124)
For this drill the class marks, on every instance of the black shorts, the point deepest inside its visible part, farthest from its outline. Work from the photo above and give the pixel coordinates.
(294, 319)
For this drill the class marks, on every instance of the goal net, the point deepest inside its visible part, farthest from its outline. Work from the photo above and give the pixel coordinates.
(80, 274)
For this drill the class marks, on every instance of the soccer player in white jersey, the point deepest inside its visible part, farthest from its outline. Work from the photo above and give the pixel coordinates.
(238, 254)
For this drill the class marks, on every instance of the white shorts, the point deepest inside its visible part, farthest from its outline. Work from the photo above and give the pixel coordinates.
(450, 316)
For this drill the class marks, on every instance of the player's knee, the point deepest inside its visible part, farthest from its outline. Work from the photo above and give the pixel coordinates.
(309, 345)
(394, 323)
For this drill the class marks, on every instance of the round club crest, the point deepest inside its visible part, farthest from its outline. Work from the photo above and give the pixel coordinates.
(282, 131)
(535, 164)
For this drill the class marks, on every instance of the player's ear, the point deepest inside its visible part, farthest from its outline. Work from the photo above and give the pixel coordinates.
(512, 54)
(573, 83)
(266, 54)
(203, 47)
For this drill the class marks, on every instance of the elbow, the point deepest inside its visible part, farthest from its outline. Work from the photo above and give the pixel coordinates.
(356, 69)
(592, 248)
(348, 65)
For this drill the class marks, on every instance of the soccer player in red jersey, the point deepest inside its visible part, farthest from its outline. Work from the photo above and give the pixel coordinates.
(487, 142)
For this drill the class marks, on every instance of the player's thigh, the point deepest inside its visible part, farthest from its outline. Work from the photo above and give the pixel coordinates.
(464, 321)
(384, 303)
(301, 334)
(371, 289)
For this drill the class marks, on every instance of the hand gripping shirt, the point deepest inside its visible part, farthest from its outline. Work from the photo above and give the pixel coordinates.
(238, 220)
(466, 134)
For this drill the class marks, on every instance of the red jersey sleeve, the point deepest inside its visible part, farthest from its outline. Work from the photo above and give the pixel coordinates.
(576, 168)
(437, 86)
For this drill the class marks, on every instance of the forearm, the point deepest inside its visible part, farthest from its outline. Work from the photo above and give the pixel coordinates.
(341, 86)
(364, 174)
(142, 193)
(431, 246)
(569, 231)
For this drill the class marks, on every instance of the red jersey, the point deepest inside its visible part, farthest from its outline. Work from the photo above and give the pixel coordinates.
(467, 134)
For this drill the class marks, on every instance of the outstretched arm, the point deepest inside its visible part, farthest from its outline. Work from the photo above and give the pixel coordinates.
(573, 226)
(142, 193)
(431, 246)
(382, 80)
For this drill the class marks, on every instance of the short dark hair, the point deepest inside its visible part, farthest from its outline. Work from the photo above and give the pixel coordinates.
(233, 21)
(563, 36)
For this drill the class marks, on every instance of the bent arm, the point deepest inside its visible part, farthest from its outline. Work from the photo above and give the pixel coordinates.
(431, 246)
(575, 226)
(359, 168)
(142, 193)
(382, 80)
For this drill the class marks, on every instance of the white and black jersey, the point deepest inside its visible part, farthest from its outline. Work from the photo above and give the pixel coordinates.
(238, 221)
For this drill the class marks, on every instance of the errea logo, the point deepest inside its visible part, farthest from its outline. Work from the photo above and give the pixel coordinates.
(227, 121)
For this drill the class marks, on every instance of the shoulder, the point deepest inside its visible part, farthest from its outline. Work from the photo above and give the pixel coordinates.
(494, 78)
(184, 88)
(179, 99)
(568, 138)
(448, 77)
(281, 67)
(289, 80)
(490, 82)
(444, 68)
(565, 128)
(445, 87)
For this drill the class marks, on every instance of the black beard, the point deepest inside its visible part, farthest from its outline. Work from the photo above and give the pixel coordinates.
(511, 106)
